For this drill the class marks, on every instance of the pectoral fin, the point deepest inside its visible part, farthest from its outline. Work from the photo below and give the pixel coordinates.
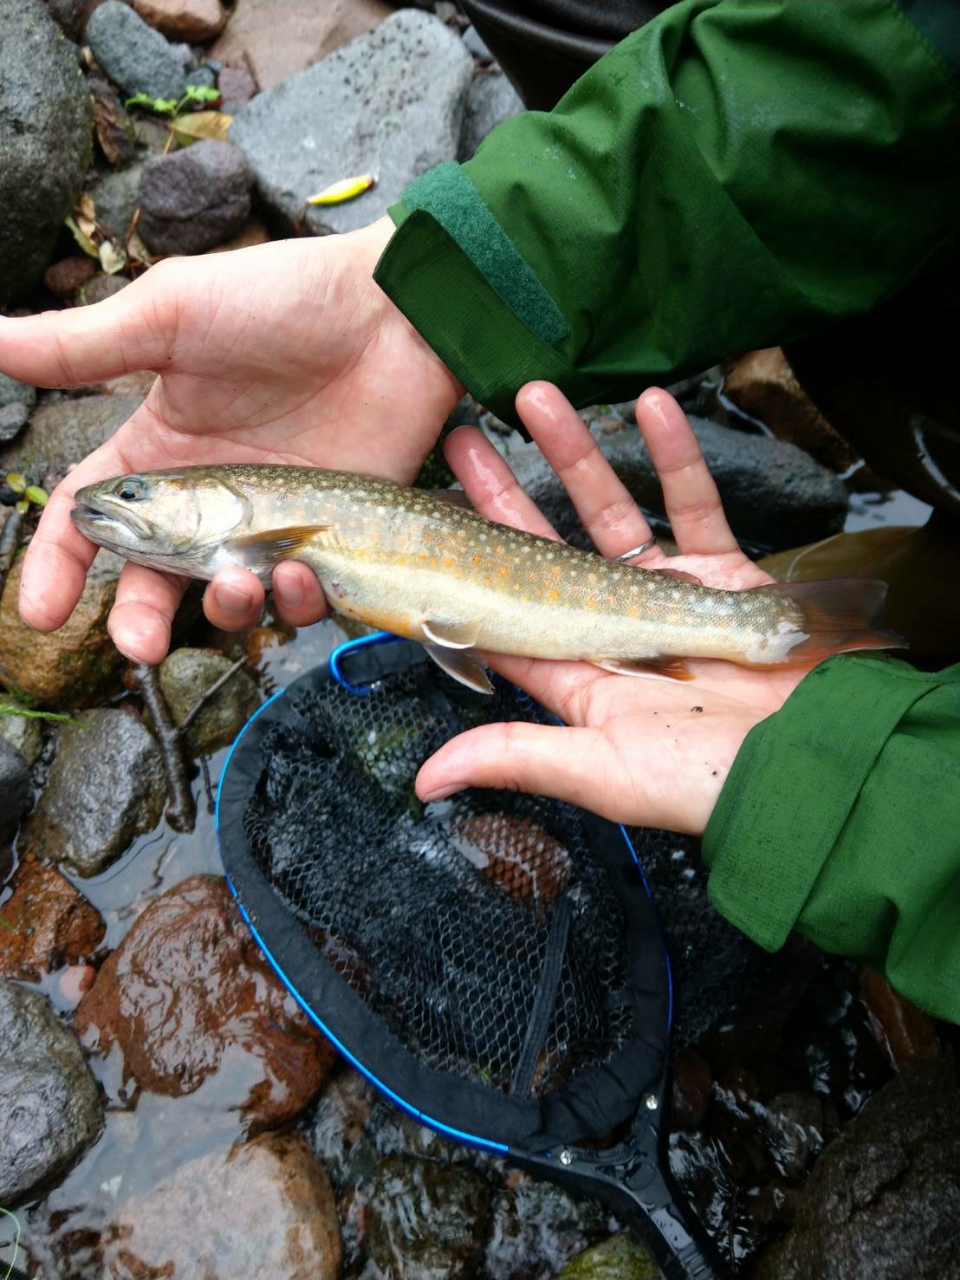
(658, 665)
(451, 635)
(462, 665)
(261, 551)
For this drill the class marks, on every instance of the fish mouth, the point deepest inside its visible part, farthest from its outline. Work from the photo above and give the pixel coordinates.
(88, 517)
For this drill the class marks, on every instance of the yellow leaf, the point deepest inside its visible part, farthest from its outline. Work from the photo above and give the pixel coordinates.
(345, 189)
(111, 259)
(84, 241)
(86, 209)
(202, 124)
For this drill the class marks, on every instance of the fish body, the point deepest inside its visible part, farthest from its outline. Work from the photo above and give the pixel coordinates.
(410, 562)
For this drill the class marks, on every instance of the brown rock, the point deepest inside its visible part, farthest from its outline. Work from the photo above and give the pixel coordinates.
(68, 667)
(253, 232)
(45, 924)
(189, 20)
(903, 1031)
(65, 277)
(263, 1208)
(188, 993)
(763, 385)
(277, 38)
(237, 86)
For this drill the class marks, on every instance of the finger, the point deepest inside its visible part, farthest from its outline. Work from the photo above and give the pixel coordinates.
(141, 619)
(490, 484)
(86, 344)
(690, 495)
(58, 557)
(566, 764)
(298, 595)
(234, 599)
(606, 509)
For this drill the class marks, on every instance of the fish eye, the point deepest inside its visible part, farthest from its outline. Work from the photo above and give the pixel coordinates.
(130, 488)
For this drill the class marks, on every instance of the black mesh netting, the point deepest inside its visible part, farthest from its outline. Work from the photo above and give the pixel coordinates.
(483, 933)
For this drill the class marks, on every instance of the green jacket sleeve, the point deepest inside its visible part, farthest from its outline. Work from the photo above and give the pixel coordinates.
(841, 818)
(735, 174)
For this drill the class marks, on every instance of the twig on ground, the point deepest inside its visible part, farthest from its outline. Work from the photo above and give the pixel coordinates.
(205, 697)
(9, 543)
(181, 813)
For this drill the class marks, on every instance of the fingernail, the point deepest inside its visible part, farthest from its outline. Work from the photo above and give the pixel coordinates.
(234, 599)
(444, 792)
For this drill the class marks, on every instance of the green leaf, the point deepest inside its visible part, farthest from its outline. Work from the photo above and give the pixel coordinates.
(200, 93)
(39, 497)
(22, 507)
(162, 106)
(7, 710)
(84, 241)
(16, 482)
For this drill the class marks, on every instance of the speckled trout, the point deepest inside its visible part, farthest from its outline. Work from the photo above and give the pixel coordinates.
(419, 565)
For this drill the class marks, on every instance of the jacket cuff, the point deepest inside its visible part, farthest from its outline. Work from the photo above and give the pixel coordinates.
(462, 313)
(792, 787)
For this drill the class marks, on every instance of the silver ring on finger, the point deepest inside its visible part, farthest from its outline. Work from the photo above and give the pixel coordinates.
(636, 551)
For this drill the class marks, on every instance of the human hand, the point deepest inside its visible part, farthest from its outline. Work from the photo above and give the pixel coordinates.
(286, 353)
(651, 752)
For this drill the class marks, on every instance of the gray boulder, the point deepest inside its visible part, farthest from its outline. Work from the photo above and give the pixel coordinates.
(186, 675)
(115, 199)
(491, 100)
(22, 732)
(391, 101)
(64, 432)
(50, 1107)
(194, 199)
(106, 786)
(15, 790)
(46, 120)
(133, 55)
(13, 418)
(775, 495)
(884, 1199)
(14, 392)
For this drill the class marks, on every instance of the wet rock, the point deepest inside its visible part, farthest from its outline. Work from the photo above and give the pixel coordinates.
(903, 1031)
(476, 44)
(774, 494)
(190, 20)
(50, 1109)
(22, 732)
(15, 790)
(692, 1078)
(100, 287)
(264, 1208)
(194, 199)
(278, 38)
(14, 392)
(187, 674)
(106, 786)
(45, 141)
(439, 1233)
(237, 86)
(763, 385)
(13, 418)
(65, 277)
(338, 1121)
(619, 1258)
(491, 100)
(532, 1221)
(884, 1199)
(115, 200)
(411, 70)
(796, 1132)
(188, 993)
(67, 667)
(133, 55)
(45, 924)
(67, 14)
(63, 433)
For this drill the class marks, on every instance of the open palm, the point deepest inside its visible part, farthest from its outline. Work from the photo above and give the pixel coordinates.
(651, 752)
(287, 352)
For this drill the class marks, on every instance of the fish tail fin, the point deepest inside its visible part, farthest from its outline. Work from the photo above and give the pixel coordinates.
(839, 615)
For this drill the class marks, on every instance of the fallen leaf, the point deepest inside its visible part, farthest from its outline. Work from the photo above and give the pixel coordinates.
(86, 208)
(111, 259)
(114, 128)
(137, 250)
(82, 239)
(201, 124)
(345, 189)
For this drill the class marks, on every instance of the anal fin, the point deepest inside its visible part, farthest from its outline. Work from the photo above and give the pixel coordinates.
(658, 665)
(463, 665)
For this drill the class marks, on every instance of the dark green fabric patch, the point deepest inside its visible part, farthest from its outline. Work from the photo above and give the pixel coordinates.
(450, 197)
(939, 21)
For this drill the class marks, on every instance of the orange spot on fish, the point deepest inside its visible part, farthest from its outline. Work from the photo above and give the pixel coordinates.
(553, 594)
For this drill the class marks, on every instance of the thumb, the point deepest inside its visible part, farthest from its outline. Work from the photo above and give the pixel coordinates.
(87, 344)
(564, 763)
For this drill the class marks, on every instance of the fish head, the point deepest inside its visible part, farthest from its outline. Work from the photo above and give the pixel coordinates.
(176, 521)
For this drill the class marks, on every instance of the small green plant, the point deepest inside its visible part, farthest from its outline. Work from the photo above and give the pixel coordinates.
(16, 1241)
(29, 493)
(193, 95)
(26, 713)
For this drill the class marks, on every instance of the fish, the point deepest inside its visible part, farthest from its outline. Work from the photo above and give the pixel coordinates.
(417, 564)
